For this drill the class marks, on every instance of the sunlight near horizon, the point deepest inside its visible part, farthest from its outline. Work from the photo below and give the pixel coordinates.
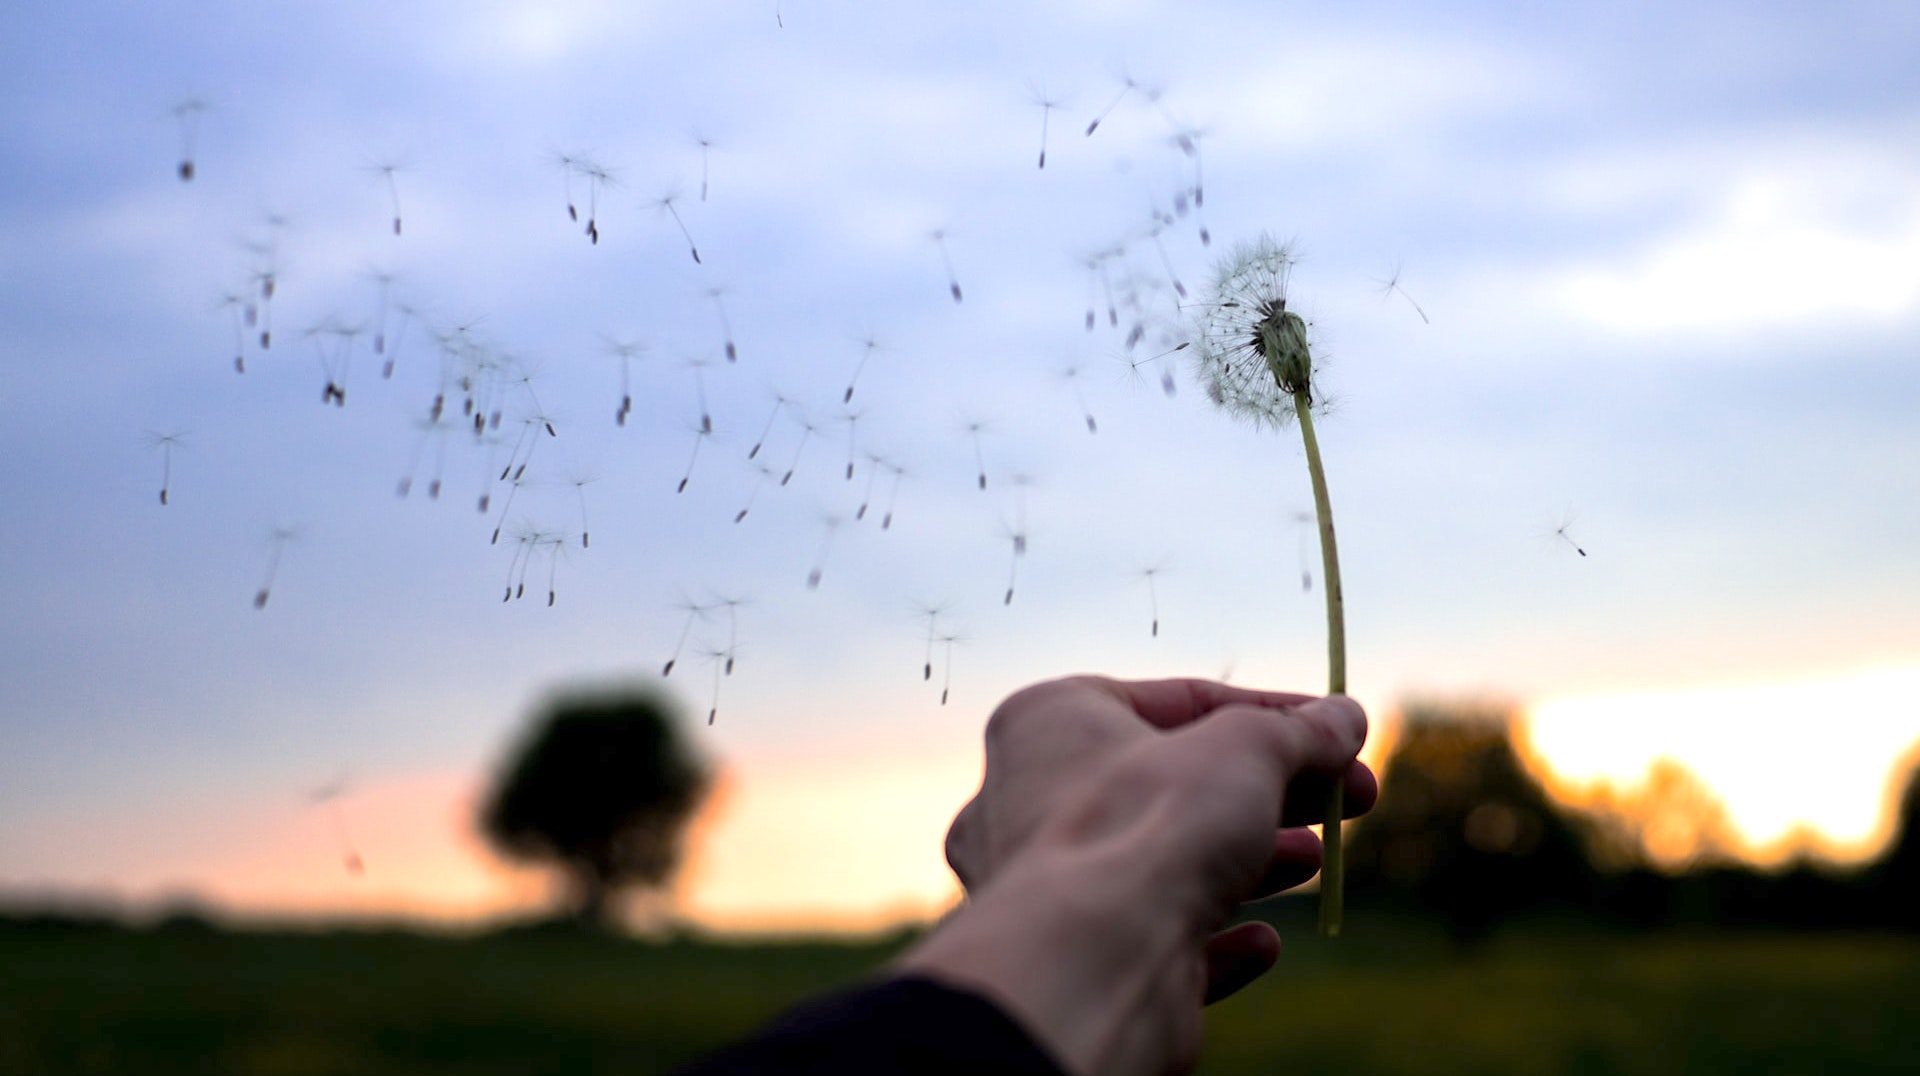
(1807, 765)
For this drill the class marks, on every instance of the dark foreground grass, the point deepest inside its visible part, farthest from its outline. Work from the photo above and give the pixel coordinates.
(1388, 1000)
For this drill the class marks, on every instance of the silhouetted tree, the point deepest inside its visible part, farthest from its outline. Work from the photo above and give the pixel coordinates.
(1895, 879)
(1463, 828)
(602, 788)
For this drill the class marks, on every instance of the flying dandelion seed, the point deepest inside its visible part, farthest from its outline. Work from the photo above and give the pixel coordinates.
(893, 495)
(764, 473)
(1253, 355)
(1152, 575)
(331, 796)
(1166, 262)
(598, 178)
(1017, 534)
(556, 544)
(1106, 283)
(165, 442)
(706, 149)
(932, 615)
(569, 166)
(875, 464)
(832, 527)
(1559, 531)
(333, 343)
(1167, 383)
(1093, 288)
(237, 304)
(665, 202)
(1127, 86)
(700, 434)
(719, 660)
(386, 170)
(513, 489)
(431, 429)
(492, 443)
(187, 114)
(695, 612)
(516, 568)
(806, 434)
(261, 312)
(780, 402)
(979, 458)
(732, 606)
(1392, 284)
(939, 236)
(699, 368)
(624, 350)
(1187, 140)
(1046, 105)
(384, 281)
(946, 675)
(276, 544)
(726, 327)
(1303, 524)
(580, 481)
(397, 341)
(1071, 375)
(867, 348)
(852, 419)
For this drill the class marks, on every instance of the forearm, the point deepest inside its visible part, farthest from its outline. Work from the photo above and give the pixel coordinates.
(1075, 951)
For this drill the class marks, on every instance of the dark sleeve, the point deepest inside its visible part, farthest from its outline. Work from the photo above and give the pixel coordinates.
(908, 1025)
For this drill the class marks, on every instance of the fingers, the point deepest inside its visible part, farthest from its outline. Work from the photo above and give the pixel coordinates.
(1307, 796)
(1172, 703)
(1320, 736)
(1295, 860)
(1237, 956)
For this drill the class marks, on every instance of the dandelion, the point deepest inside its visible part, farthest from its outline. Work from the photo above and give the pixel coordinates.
(720, 659)
(1392, 284)
(569, 165)
(1252, 354)
(187, 113)
(699, 368)
(732, 606)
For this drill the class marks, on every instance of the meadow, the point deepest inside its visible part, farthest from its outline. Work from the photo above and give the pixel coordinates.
(1393, 997)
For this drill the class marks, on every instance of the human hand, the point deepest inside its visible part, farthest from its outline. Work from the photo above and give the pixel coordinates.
(1147, 811)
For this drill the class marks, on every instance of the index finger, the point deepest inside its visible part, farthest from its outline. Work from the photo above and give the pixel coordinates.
(1172, 703)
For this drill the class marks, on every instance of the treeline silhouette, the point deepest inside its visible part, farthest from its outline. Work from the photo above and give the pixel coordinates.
(1463, 831)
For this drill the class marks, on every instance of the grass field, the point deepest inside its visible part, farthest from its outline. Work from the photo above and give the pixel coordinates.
(1393, 1000)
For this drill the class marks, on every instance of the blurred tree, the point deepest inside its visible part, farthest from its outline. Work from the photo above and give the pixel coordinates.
(1895, 880)
(1463, 828)
(602, 787)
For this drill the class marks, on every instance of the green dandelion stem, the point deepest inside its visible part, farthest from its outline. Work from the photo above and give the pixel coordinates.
(1332, 873)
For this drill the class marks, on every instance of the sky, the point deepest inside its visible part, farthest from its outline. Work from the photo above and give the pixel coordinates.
(1617, 313)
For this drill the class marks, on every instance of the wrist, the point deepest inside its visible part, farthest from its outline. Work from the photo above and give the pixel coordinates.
(1079, 953)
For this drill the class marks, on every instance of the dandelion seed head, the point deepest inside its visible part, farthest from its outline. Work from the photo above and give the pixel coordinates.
(1249, 351)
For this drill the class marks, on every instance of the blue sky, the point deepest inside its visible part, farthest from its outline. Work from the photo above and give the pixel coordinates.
(1668, 257)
